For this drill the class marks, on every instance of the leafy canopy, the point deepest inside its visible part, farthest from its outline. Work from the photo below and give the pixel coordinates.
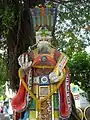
(72, 26)
(79, 66)
(3, 75)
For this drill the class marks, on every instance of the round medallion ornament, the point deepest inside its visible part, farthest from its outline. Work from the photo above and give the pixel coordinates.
(44, 59)
(44, 79)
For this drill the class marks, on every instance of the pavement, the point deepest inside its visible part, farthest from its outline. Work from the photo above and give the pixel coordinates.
(2, 117)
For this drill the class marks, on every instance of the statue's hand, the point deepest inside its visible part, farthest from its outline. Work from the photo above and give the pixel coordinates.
(54, 77)
(24, 61)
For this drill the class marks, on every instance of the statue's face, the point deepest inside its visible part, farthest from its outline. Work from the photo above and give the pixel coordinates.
(43, 47)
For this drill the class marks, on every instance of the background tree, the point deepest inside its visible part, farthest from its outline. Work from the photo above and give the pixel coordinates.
(3, 76)
(79, 66)
(18, 32)
(72, 27)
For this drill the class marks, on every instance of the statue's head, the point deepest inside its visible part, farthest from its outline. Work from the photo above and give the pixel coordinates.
(43, 20)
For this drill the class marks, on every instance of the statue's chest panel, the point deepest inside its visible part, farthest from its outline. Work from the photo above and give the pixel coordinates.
(41, 86)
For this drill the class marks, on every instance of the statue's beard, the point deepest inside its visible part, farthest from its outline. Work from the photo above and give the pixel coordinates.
(43, 47)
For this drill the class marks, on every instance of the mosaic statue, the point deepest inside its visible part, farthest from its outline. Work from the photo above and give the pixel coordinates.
(44, 80)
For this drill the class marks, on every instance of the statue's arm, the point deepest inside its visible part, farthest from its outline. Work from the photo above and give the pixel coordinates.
(61, 60)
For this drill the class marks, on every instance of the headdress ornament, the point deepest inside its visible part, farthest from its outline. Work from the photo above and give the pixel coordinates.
(43, 16)
(43, 20)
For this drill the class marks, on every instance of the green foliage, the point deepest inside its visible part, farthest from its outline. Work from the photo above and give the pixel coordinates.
(3, 75)
(72, 20)
(1, 98)
(8, 20)
(3, 71)
(79, 66)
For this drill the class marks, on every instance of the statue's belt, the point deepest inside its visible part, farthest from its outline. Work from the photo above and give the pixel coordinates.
(38, 101)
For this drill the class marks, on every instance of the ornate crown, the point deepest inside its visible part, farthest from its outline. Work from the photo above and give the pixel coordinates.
(43, 16)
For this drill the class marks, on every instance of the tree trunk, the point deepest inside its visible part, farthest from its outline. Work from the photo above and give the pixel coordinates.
(18, 45)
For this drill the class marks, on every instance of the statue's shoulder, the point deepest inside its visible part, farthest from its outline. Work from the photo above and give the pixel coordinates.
(33, 53)
(58, 55)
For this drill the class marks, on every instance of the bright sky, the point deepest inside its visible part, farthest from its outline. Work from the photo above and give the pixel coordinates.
(88, 49)
(0, 51)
